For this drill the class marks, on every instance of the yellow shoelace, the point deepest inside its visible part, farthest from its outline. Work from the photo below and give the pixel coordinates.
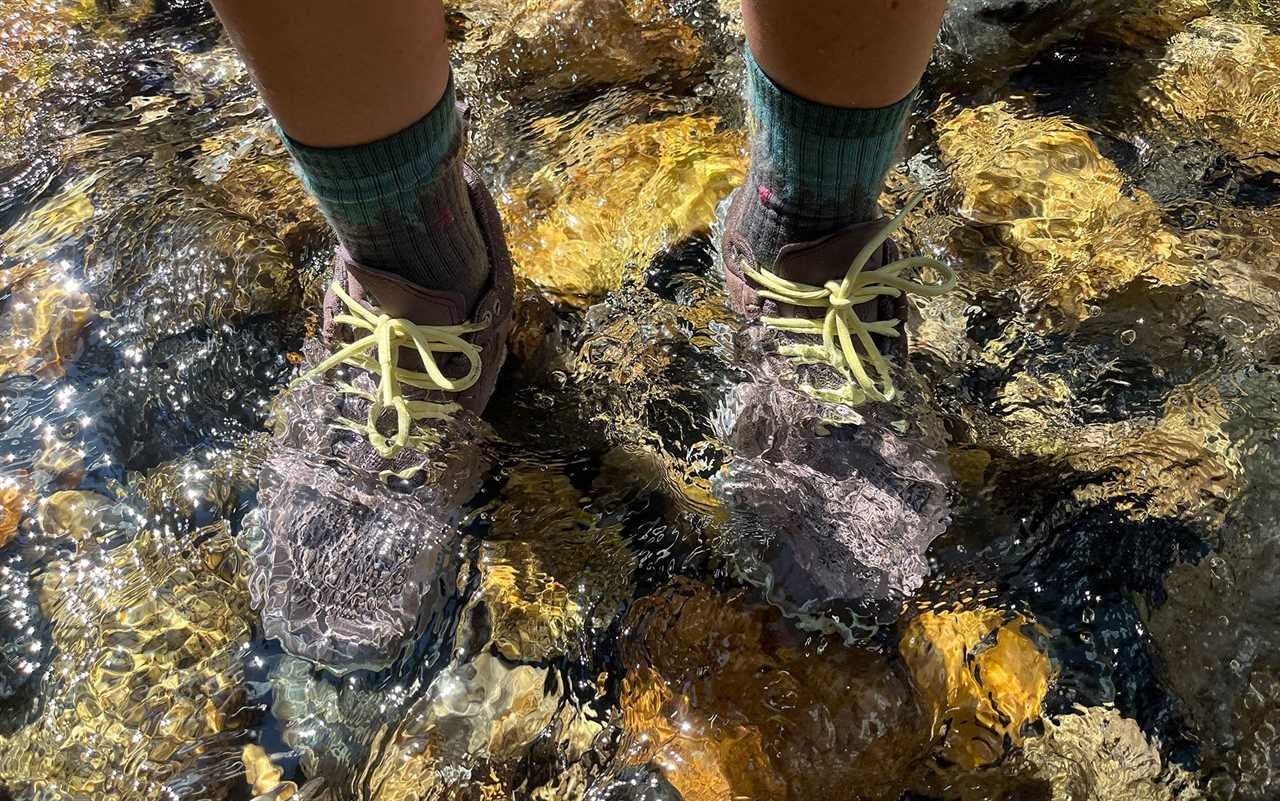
(840, 325)
(379, 353)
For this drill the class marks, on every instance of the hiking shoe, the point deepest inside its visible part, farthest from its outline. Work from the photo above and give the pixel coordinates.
(376, 451)
(838, 482)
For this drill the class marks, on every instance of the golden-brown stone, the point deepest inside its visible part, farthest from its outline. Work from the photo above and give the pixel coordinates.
(1239, 247)
(484, 715)
(60, 462)
(533, 332)
(969, 465)
(263, 776)
(560, 44)
(1098, 754)
(534, 572)
(1147, 23)
(1221, 79)
(580, 224)
(208, 482)
(1178, 467)
(13, 504)
(73, 514)
(146, 687)
(54, 221)
(980, 677)
(775, 718)
(1175, 465)
(42, 322)
(1075, 231)
(249, 172)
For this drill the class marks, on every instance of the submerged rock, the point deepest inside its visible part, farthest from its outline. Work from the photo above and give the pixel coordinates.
(999, 35)
(42, 322)
(1149, 23)
(145, 697)
(263, 777)
(13, 505)
(1073, 232)
(1221, 80)
(483, 729)
(564, 44)
(776, 717)
(329, 724)
(1216, 626)
(1175, 462)
(616, 199)
(85, 518)
(1087, 753)
(637, 783)
(981, 680)
(203, 486)
(1097, 754)
(553, 575)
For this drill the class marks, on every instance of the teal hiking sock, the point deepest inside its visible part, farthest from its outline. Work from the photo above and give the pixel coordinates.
(400, 204)
(815, 169)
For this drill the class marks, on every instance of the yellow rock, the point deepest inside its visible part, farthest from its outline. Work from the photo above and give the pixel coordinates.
(42, 322)
(1180, 466)
(484, 715)
(639, 467)
(775, 718)
(1222, 80)
(249, 172)
(54, 221)
(73, 514)
(1147, 23)
(147, 684)
(980, 679)
(546, 551)
(1176, 465)
(1098, 754)
(13, 502)
(969, 465)
(533, 330)
(703, 760)
(1076, 232)
(60, 462)
(1239, 248)
(212, 481)
(263, 776)
(558, 44)
(619, 199)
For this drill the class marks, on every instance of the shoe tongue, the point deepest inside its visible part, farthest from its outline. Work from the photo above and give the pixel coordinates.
(830, 257)
(396, 297)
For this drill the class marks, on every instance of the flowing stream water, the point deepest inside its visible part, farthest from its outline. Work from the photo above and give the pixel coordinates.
(1102, 616)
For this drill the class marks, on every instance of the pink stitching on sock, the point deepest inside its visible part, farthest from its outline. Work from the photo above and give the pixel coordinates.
(445, 218)
(764, 193)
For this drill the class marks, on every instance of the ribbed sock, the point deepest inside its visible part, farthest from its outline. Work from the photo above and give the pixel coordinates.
(814, 168)
(400, 204)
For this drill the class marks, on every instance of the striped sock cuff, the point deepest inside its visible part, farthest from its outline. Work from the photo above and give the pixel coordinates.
(776, 109)
(365, 174)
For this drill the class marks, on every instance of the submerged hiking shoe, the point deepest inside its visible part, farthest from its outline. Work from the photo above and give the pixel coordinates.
(375, 454)
(838, 483)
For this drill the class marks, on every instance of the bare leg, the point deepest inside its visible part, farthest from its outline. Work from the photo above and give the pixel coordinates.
(336, 73)
(850, 53)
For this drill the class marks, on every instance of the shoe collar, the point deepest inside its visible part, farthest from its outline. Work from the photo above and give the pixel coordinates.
(387, 293)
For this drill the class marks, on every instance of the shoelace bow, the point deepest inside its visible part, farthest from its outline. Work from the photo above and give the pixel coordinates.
(840, 325)
(379, 353)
